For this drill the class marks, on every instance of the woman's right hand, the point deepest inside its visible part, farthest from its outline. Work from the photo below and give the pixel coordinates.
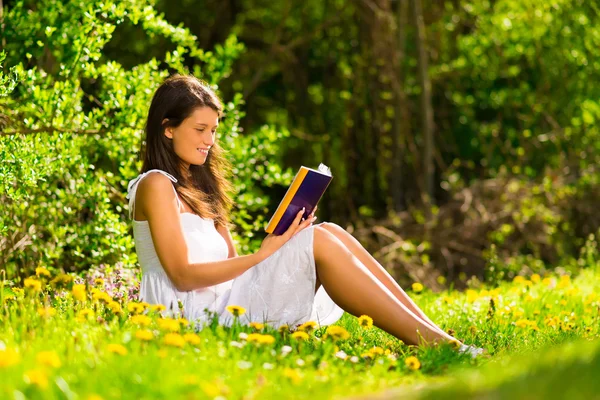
(271, 243)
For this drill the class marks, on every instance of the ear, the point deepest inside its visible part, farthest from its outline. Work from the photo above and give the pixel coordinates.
(168, 130)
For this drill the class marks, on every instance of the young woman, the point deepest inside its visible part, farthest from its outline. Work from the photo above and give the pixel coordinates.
(180, 204)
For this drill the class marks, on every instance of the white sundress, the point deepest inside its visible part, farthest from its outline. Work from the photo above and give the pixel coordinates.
(278, 290)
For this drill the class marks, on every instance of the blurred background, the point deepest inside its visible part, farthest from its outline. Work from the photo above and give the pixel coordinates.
(462, 135)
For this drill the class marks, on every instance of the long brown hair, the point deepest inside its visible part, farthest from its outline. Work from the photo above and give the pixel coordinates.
(207, 190)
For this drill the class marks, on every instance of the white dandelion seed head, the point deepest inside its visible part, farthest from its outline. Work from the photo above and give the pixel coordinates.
(300, 362)
(244, 364)
(268, 366)
(354, 359)
(341, 354)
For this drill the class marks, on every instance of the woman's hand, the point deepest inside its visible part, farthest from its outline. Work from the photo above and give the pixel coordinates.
(271, 243)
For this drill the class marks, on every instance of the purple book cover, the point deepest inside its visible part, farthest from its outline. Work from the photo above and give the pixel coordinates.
(308, 195)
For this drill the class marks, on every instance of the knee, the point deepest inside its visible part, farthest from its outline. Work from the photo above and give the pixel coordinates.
(332, 227)
(324, 239)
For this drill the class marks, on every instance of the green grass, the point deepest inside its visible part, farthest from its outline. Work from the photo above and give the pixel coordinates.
(540, 336)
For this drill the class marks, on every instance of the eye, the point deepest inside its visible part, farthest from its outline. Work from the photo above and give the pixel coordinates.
(200, 130)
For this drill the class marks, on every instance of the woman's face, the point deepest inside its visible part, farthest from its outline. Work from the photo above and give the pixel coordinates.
(194, 137)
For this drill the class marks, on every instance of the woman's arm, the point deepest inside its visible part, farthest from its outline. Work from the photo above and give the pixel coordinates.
(157, 202)
(224, 231)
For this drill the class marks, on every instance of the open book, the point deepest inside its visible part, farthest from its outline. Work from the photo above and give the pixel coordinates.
(306, 190)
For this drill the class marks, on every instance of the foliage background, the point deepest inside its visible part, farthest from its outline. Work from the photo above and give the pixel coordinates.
(514, 129)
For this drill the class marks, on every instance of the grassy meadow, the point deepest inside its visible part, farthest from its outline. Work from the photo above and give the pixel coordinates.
(65, 337)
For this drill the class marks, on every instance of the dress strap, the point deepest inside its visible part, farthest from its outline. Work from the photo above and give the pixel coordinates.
(133, 185)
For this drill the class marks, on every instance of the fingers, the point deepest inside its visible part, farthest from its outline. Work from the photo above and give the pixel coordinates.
(292, 229)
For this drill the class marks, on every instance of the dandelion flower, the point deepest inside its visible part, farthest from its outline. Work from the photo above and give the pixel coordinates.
(116, 349)
(417, 287)
(412, 363)
(168, 324)
(79, 292)
(267, 339)
(141, 320)
(535, 278)
(256, 325)
(49, 359)
(376, 350)
(98, 295)
(300, 335)
(32, 284)
(99, 282)
(46, 312)
(114, 306)
(41, 271)
(337, 333)
(192, 339)
(37, 377)
(135, 308)
(236, 311)
(144, 335)
(365, 321)
(8, 358)
(293, 375)
(308, 326)
(157, 307)
(183, 322)
(283, 329)
(84, 315)
(174, 339)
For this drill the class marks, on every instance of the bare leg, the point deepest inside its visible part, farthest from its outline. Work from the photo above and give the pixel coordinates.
(355, 289)
(376, 269)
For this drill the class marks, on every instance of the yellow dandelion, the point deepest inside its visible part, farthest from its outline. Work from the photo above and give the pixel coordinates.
(283, 329)
(32, 284)
(472, 295)
(455, 344)
(84, 315)
(46, 312)
(518, 279)
(365, 321)
(300, 335)
(141, 320)
(114, 306)
(523, 323)
(144, 335)
(293, 375)
(417, 287)
(157, 307)
(412, 363)
(192, 339)
(473, 329)
(236, 311)
(168, 324)
(376, 350)
(41, 271)
(308, 326)
(337, 332)
(99, 282)
(535, 278)
(61, 280)
(174, 339)
(256, 325)
(98, 295)
(49, 359)
(588, 329)
(116, 349)
(37, 377)
(8, 358)
(267, 339)
(78, 292)
(94, 397)
(183, 322)
(135, 308)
